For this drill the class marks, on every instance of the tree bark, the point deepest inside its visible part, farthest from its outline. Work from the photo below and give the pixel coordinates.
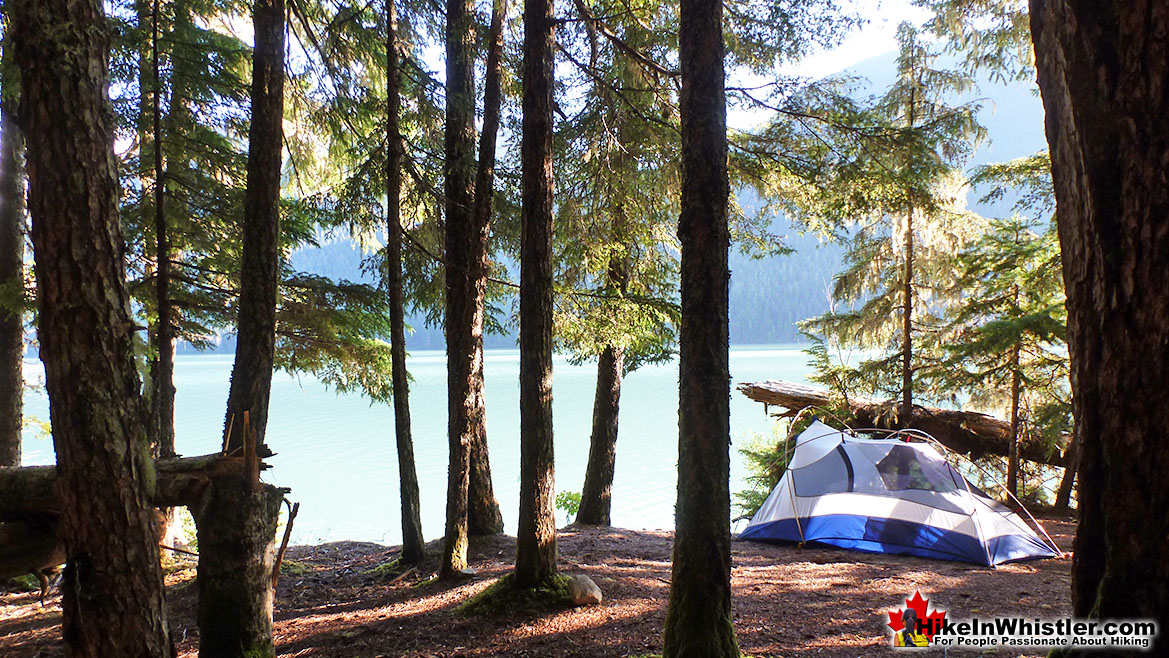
(251, 374)
(483, 515)
(1016, 393)
(1102, 68)
(536, 532)
(11, 273)
(463, 361)
(596, 498)
(163, 397)
(413, 544)
(112, 599)
(906, 414)
(1063, 496)
(235, 595)
(698, 619)
(236, 528)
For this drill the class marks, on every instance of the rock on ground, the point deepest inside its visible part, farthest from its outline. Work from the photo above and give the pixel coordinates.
(583, 590)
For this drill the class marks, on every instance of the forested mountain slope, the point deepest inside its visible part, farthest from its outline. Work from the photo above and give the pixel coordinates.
(768, 296)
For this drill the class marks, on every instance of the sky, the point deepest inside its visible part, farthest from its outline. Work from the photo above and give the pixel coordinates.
(877, 36)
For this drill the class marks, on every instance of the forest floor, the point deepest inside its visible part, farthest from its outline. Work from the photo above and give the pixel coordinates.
(789, 601)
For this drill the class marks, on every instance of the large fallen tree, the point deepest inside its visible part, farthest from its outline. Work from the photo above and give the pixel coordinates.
(965, 432)
(180, 481)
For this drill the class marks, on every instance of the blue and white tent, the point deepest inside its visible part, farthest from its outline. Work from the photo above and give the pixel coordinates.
(889, 496)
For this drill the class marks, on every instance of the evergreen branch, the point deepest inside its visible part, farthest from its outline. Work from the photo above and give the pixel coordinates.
(591, 73)
(622, 45)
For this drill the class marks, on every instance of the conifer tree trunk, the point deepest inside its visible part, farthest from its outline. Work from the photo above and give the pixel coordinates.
(11, 271)
(698, 620)
(1102, 69)
(536, 533)
(483, 515)
(236, 520)
(462, 359)
(236, 529)
(163, 397)
(907, 326)
(112, 595)
(906, 415)
(1016, 393)
(413, 544)
(596, 498)
(251, 373)
(1063, 495)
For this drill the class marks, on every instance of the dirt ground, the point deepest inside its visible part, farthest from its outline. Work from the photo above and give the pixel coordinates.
(789, 601)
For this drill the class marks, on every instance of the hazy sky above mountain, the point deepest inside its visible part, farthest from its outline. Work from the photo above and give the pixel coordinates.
(876, 37)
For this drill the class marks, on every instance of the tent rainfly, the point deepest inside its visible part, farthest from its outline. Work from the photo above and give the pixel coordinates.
(889, 496)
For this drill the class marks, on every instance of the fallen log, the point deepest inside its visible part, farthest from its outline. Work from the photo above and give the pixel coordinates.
(32, 545)
(180, 481)
(965, 432)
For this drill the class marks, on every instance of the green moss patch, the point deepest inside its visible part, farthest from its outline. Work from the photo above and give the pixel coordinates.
(23, 583)
(294, 568)
(385, 570)
(504, 597)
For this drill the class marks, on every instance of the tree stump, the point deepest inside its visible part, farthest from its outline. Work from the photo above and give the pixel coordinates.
(236, 526)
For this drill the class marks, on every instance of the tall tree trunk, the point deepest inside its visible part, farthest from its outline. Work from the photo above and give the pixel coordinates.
(112, 599)
(251, 374)
(906, 412)
(163, 375)
(235, 600)
(536, 533)
(463, 361)
(144, 12)
(596, 497)
(698, 620)
(413, 544)
(1063, 495)
(1102, 68)
(907, 327)
(11, 271)
(483, 515)
(1016, 393)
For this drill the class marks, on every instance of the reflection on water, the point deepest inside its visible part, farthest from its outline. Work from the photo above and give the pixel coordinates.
(337, 451)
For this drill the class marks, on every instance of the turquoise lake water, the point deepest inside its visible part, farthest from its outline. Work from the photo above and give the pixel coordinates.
(337, 452)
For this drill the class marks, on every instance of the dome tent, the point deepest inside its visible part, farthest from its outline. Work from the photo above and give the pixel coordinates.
(889, 496)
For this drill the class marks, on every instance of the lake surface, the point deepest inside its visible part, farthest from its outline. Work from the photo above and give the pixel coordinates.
(337, 452)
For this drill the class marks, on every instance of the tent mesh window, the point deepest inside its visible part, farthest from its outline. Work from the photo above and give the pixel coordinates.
(903, 468)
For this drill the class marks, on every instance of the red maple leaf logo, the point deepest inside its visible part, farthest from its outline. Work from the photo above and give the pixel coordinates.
(930, 622)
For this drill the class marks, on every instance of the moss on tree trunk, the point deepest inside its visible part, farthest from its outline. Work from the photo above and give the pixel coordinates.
(112, 594)
(536, 532)
(464, 400)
